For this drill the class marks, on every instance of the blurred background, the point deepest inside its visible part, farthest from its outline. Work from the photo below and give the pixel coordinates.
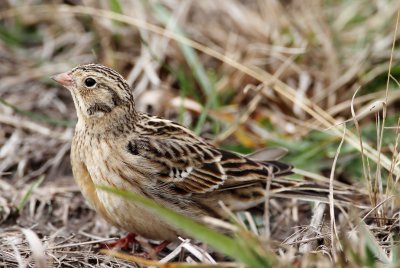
(243, 74)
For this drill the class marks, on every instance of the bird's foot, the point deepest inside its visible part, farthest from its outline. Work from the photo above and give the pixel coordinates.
(123, 243)
(153, 251)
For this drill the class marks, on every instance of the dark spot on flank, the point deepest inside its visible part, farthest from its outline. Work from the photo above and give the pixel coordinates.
(132, 148)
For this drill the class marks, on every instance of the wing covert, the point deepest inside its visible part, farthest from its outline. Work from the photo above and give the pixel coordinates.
(191, 167)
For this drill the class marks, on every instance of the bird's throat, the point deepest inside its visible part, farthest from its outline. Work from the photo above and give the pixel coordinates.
(116, 123)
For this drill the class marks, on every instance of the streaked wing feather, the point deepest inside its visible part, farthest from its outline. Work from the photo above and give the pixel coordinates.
(243, 172)
(192, 168)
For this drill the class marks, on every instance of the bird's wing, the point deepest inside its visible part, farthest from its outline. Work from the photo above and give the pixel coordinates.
(195, 167)
(192, 168)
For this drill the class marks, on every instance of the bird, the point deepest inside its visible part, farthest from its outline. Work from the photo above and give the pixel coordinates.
(115, 145)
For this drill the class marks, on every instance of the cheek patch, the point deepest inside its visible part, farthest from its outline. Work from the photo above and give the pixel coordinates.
(98, 108)
(116, 99)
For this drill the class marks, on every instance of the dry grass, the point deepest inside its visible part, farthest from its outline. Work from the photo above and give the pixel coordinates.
(244, 74)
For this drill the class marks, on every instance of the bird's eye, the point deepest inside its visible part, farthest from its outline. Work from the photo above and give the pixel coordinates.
(90, 82)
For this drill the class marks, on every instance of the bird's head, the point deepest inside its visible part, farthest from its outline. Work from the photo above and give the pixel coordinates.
(98, 92)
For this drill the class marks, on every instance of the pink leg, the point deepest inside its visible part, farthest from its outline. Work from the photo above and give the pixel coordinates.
(152, 253)
(122, 243)
(161, 246)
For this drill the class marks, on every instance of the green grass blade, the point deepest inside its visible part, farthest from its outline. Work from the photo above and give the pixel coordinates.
(222, 243)
(115, 6)
(373, 245)
(194, 62)
(26, 196)
(190, 54)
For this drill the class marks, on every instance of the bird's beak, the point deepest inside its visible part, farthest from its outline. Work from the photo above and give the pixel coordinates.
(64, 79)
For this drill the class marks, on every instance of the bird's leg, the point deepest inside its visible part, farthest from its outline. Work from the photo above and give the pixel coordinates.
(161, 246)
(153, 251)
(122, 243)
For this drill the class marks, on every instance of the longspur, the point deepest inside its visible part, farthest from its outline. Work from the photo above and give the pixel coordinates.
(117, 146)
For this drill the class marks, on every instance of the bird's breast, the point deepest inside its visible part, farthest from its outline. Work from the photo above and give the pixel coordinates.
(106, 166)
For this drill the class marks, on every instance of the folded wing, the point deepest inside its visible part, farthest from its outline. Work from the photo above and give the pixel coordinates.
(196, 167)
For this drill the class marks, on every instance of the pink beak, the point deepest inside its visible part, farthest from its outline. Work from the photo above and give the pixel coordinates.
(64, 79)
